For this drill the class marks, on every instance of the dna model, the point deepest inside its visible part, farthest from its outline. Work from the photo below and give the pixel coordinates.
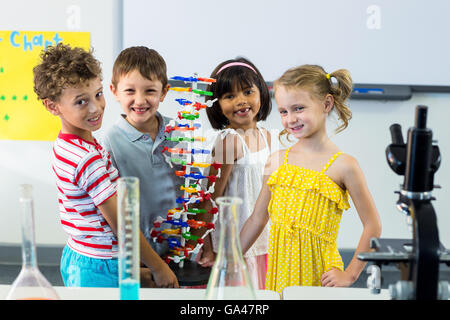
(176, 226)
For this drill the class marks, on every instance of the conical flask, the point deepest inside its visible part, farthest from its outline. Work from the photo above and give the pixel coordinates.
(229, 279)
(30, 284)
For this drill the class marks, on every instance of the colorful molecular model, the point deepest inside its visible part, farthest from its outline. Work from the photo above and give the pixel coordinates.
(180, 220)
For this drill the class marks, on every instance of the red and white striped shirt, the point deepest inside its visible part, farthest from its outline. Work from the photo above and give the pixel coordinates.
(85, 178)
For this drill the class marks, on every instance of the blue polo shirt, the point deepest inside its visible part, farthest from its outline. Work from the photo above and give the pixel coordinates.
(135, 154)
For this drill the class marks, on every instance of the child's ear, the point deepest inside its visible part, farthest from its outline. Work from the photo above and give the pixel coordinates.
(51, 106)
(113, 91)
(164, 92)
(329, 103)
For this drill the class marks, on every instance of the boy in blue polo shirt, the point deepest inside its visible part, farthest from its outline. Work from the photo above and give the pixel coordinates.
(136, 140)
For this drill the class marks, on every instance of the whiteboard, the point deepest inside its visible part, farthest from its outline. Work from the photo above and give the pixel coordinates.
(401, 42)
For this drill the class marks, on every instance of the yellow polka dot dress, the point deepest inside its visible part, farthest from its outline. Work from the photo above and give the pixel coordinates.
(305, 211)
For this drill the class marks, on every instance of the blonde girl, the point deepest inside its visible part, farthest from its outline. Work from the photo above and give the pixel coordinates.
(306, 187)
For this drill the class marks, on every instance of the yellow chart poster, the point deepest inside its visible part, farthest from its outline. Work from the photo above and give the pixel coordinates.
(22, 115)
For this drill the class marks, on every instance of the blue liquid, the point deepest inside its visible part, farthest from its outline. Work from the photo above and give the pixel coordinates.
(129, 289)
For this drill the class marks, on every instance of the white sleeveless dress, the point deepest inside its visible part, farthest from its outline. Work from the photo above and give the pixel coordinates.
(245, 181)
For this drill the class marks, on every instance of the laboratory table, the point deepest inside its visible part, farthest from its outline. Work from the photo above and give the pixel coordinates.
(289, 293)
(66, 293)
(329, 293)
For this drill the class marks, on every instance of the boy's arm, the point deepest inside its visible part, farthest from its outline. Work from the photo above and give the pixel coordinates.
(163, 276)
(355, 183)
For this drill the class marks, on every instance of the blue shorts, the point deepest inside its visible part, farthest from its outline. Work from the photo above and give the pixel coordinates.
(78, 270)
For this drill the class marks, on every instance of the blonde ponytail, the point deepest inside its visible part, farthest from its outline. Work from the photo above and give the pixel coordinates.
(341, 92)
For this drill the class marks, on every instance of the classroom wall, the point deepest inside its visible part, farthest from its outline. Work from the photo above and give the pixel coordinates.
(366, 137)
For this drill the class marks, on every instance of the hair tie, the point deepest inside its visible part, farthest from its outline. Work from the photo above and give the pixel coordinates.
(328, 76)
(232, 64)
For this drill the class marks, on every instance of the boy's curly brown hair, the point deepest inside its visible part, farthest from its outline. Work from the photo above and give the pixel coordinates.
(61, 67)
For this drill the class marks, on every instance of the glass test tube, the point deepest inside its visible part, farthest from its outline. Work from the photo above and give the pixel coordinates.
(128, 237)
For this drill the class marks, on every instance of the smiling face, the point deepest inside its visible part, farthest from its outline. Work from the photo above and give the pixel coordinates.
(241, 107)
(139, 98)
(80, 108)
(301, 114)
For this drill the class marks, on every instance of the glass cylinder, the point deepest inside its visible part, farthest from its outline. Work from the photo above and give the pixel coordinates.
(30, 284)
(128, 237)
(229, 279)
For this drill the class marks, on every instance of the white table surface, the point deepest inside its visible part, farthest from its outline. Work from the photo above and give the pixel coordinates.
(144, 294)
(329, 293)
(289, 293)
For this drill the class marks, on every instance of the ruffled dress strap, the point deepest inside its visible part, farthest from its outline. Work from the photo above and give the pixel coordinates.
(286, 155)
(331, 161)
(332, 190)
(224, 132)
(227, 131)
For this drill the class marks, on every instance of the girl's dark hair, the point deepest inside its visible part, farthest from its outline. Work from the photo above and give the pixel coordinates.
(231, 78)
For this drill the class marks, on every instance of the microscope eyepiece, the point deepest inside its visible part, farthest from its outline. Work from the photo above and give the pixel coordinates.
(421, 117)
(396, 134)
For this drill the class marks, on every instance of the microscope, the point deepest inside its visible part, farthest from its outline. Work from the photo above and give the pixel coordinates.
(418, 258)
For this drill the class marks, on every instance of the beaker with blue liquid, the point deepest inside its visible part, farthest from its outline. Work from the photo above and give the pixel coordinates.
(128, 237)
